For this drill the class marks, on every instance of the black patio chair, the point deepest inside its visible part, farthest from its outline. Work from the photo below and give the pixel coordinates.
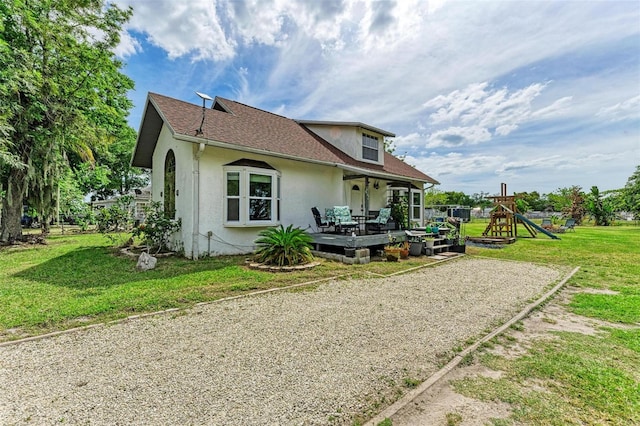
(321, 224)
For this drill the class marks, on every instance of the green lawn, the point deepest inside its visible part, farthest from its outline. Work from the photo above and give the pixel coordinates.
(574, 379)
(78, 279)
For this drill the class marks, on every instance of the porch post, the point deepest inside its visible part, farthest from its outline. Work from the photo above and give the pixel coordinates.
(409, 200)
(366, 197)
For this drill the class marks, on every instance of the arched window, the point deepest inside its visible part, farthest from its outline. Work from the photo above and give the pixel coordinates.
(170, 185)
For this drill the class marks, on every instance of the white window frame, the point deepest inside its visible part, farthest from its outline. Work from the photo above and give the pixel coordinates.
(419, 206)
(368, 137)
(244, 198)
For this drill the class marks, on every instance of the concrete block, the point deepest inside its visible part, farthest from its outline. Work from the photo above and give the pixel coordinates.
(364, 252)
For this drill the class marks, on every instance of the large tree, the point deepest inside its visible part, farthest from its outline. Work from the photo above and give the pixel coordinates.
(599, 207)
(631, 194)
(62, 92)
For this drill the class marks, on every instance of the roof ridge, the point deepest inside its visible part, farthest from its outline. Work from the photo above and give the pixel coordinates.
(255, 108)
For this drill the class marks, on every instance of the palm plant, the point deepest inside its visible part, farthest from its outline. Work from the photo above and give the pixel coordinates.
(284, 246)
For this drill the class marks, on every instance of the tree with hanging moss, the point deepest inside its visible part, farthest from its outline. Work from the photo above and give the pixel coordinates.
(61, 94)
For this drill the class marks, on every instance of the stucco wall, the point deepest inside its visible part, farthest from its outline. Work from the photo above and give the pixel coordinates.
(184, 194)
(348, 139)
(303, 185)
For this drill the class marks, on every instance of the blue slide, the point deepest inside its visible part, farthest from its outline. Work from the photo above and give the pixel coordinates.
(537, 227)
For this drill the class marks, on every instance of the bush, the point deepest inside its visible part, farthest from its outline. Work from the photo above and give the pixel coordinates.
(157, 228)
(115, 222)
(284, 247)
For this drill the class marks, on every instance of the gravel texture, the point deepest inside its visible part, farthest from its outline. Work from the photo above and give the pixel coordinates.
(289, 358)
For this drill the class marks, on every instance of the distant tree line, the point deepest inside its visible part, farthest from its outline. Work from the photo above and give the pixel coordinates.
(599, 206)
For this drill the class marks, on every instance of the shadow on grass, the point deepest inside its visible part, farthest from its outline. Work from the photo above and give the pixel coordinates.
(93, 267)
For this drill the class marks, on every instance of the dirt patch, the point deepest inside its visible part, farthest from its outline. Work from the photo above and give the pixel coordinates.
(432, 406)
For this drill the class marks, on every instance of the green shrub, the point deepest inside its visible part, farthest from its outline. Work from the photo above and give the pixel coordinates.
(115, 222)
(157, 228)
(284, 247)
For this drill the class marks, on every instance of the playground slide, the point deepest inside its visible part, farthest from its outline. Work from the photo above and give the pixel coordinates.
(537, 227)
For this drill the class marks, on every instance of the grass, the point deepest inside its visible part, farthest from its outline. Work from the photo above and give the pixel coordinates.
(78, 279)
(571, 379)
(575, 379)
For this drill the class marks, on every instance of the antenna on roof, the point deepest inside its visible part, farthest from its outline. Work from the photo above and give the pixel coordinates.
(204, 98)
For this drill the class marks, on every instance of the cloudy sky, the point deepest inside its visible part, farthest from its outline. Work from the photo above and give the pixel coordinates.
(537, 94)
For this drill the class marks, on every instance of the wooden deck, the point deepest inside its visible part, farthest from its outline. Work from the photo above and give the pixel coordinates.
(359, 241)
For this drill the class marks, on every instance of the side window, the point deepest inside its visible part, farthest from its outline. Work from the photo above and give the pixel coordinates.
(369, 147)
(233, 196)
(170, 185)
(416, 206)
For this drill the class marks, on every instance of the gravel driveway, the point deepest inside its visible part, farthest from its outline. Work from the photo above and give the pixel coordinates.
(285, 358)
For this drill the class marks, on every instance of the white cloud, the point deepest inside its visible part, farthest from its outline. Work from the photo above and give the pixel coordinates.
(627, 110)
(482, 107)
(458, 136)
(128, 45)
(556, 108)
(191, 28)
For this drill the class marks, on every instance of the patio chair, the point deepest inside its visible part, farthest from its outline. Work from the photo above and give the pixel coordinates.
(321, 224)
(344, 221)
(569, 225)
(379, 223)
(546, 223)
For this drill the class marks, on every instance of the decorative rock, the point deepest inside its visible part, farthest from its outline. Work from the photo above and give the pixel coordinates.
(146, 262)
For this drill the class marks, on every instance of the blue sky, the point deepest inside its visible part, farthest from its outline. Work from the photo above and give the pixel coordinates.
(537, 94)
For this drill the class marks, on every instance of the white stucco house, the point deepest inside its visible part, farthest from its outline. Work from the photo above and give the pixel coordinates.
(230, 170)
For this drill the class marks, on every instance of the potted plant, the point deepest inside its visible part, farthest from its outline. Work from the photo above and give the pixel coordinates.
(429, 242)
(392, 250)
(415, 245)
(459, 246)
(404, 250)
(451, 237)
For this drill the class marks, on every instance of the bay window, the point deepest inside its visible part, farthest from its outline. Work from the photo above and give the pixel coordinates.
(252, 196)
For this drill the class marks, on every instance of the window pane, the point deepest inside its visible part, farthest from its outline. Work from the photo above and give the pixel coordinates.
(370, 154)
(233, 209)
(416, 212)
(416, 198)
(259, 186)
(170, 185)
(233, 184)
(259, 209)
(370, 141)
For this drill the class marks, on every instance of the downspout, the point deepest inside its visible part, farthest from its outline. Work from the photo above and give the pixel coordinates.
(195, 236)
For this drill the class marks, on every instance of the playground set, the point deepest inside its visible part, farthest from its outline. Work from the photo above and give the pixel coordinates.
(504, 220)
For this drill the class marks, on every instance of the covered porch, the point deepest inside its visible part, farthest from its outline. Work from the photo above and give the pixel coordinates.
(366, 194)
